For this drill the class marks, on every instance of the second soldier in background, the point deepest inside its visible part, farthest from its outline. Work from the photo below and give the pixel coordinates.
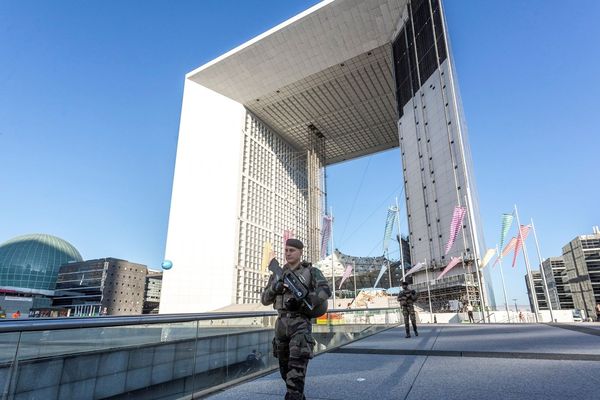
(406, 298)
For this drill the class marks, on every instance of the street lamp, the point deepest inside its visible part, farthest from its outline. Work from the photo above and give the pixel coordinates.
(515, 300)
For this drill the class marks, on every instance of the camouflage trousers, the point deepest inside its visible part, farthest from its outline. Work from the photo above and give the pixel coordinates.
(409, 311)
(293, 345)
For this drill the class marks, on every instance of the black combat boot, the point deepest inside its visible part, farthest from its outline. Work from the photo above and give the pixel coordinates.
(407, 333)
(294, 396)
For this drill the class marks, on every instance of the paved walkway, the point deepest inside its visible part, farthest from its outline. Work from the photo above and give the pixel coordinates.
(510, 361)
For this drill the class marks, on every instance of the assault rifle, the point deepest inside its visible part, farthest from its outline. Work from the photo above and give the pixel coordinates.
(296, 284)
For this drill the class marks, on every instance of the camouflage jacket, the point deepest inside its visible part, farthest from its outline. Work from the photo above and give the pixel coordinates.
(407, 297)
(318, 287)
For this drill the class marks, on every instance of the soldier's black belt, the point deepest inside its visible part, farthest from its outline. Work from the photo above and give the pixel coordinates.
(291, 314)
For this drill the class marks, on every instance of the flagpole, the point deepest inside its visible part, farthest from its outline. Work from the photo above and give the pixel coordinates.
(389, 271)
(537, 245)
(503, 284)
(332, 254)
(534, 302)
(466, 274)
(354, 273)
(400, 240)
(386, 253)
(482, 302)
(428, 292)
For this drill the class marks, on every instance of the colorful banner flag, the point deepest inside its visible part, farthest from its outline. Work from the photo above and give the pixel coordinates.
(453, 263)
(523, 232)
(415, 268)
(325, 234)
(389, 226)
(346, 274)
(455, 225)
(267, 256)
(487, 257)
(507, 220)
(509, 246)
(383, 269)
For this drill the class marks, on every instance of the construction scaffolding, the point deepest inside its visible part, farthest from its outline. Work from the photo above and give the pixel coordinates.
(447, 293)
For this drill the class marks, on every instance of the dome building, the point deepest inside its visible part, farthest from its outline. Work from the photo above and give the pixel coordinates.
(30, 263)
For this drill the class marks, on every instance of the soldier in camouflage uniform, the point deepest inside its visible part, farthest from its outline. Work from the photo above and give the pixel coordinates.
(406, 298)
(293, 343)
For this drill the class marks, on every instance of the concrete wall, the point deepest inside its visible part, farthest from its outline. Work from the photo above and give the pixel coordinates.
(203, 219)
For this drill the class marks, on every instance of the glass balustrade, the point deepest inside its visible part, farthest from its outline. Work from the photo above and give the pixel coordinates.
(154, 357)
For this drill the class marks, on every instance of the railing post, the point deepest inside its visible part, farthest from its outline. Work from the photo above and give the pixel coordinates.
(11, 383)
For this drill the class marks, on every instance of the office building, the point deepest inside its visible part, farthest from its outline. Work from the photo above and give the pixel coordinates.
(539, 291)
(582, 263)
(558, 286)
(152, 292)
(106, 286)
(259, 125)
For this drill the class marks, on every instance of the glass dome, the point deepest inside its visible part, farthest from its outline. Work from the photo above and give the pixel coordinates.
(33, 261)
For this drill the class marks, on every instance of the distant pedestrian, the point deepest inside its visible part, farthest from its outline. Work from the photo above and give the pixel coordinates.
(598, 312)
(470, 313)
(16, 314)
(521, 317)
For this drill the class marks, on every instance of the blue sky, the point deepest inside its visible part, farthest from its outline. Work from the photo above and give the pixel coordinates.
(90, 95)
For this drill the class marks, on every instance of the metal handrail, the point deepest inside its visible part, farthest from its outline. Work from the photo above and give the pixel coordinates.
(128, 320)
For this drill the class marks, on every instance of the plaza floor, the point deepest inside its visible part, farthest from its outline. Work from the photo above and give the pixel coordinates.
(503, 361)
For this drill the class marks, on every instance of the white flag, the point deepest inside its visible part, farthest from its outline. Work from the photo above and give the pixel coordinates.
(383, 268)
(487, 257)
(415, 268)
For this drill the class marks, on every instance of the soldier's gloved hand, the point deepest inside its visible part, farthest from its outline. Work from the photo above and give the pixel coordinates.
(292, 304)
(278, 287)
